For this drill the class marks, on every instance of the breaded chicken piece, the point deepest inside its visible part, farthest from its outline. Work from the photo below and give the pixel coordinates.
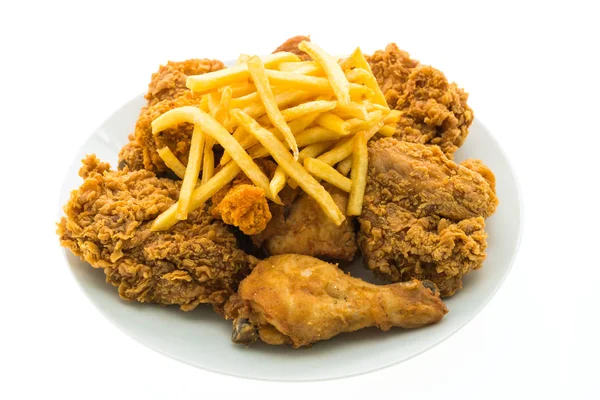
(108, 222)
(434, 111)
(168, 82)
(299, 300)
(291, 45)
(166, 90)
(301, 227)
(423, 215)
(131, 155)
(242, 204)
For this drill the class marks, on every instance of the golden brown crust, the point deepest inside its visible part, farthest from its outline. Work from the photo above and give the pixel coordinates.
(107, 224)
(291, 45)
(246, 207)
(168, 82)
(423, 215)
(434, 111)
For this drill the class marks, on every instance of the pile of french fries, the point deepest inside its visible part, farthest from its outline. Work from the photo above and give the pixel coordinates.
(313, 118)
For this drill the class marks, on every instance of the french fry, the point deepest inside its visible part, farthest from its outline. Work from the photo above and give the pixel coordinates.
(393, 116)
(294, 66)
(279, 180)
(214, 99)
(291, 166)
(337, 79)
(191, 172)
(200, 195)
(239, 134)
(283, 100)
(360, 61)
(204, 104)
(208, 160)
(345, 146)
(320, 170)
(344, 166)
(307, 108)
(301, 123)
(313, 84)
(258, 74)
(311, 151)
(210, 81)
(172, 162)
(316, 134)
(243, 58)
(212, 128)
(358, 174)
(353, 110)
(388, 130)
(222, 112)
(356, 124)
(333, 123)
(242, 89)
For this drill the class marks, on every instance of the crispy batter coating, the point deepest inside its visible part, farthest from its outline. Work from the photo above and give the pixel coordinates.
(291, 45)
(177, 138)
(299, 300)
(246, 207)
(242, 204)
(131, 155)
(434, 111)
(423, 215)
(301, 227)
(107, 224)
(168, 82)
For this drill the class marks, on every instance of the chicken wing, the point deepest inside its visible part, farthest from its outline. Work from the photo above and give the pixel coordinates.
(107, 224)
(423, 215)
(299, 300)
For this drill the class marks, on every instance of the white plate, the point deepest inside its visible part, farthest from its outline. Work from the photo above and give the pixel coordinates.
(202, 338)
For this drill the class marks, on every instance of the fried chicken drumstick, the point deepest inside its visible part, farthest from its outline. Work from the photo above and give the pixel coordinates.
(299, 300)
(108, 223)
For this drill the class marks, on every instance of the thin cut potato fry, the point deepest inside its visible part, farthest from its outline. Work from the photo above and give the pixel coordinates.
(311, 151)
(388, 130)
(172, 162)
(357, 75)
(291, 167)
(204, 104)
(214, 99)
(354, 110)
(239, 134)
(337, 79)
(316, 134)
(345, 165)
(210, 81)
(311, 70)
(242, 89)
(358, 175)
(200, 195)
(293, 66)
(393, 116)
(320, 170)
(211, 127)
(356, 124)
(360, 62)
(258, 73)
(314, 84)
(301, 123)
(307, 108)
(333, 123)
(283, 100)
(279, 180)
(242, 58)
(245, 101)
(208, 161)
(191, 172)
(222, 112)
(345, 146)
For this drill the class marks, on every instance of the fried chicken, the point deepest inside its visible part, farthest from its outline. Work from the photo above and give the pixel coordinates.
(433, 110)
(166, 91)
(299, 300)
(291, 45)
(240, 203)
(107, 224)
(423, 215)
(302, 227)
(168, 82)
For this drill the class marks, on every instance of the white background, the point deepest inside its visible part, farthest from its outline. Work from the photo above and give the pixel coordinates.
(532, 72)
